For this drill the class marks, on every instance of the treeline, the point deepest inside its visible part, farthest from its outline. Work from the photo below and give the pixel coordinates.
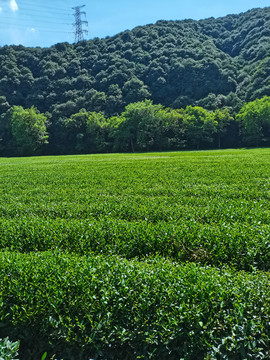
(212, 63)
(142, 126)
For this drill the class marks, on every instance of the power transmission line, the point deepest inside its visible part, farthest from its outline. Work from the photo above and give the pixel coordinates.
(27, 10)
(39, 6)
(78, 24)
(34, 28)
(32, 22)
(29, 20)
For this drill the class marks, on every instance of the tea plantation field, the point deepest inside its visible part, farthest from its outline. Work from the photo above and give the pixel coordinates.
(137, 256)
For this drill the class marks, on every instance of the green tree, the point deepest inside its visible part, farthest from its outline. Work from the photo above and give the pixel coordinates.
(75, 132)
(223, 119)
(6, 138)
(254, 118)
(173, 130)
(139, 127)
(29, 130)
(134, 90)
(200, 126)
(97, 132)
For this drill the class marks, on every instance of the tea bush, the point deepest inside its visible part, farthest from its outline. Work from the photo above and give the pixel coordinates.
(240, 245)
(8, 349)
(112, 308)
(136, 256)
(209, 207)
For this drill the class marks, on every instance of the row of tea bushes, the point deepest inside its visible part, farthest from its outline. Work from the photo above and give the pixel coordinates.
(207, 187)
(240, 245)
(106, 307)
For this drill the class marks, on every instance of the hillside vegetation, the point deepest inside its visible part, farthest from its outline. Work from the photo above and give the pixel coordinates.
(212, 63)
(178, 63)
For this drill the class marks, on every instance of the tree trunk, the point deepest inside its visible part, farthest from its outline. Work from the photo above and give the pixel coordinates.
(132, 145)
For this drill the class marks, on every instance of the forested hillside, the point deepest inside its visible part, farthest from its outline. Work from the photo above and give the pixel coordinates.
(212, 63)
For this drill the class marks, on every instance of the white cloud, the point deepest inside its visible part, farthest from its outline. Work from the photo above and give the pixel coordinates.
(13, 5)
(1, 9)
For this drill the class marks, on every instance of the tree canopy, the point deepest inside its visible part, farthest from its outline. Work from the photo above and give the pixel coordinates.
(29, 130)
(254, 118)
(208, 66)
(210, 63)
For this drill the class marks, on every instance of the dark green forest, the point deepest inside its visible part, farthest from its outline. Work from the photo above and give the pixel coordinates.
(212, 67)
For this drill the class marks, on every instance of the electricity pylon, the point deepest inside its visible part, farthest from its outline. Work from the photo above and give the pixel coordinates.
(78, 24)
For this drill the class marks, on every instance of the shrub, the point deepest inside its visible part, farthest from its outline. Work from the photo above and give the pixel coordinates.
(8, 349)
(112, 308)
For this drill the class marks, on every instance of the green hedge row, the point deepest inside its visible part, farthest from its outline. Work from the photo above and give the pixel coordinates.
(111, 308)
(240, 245)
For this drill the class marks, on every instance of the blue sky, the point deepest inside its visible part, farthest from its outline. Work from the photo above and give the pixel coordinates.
(40, 23)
